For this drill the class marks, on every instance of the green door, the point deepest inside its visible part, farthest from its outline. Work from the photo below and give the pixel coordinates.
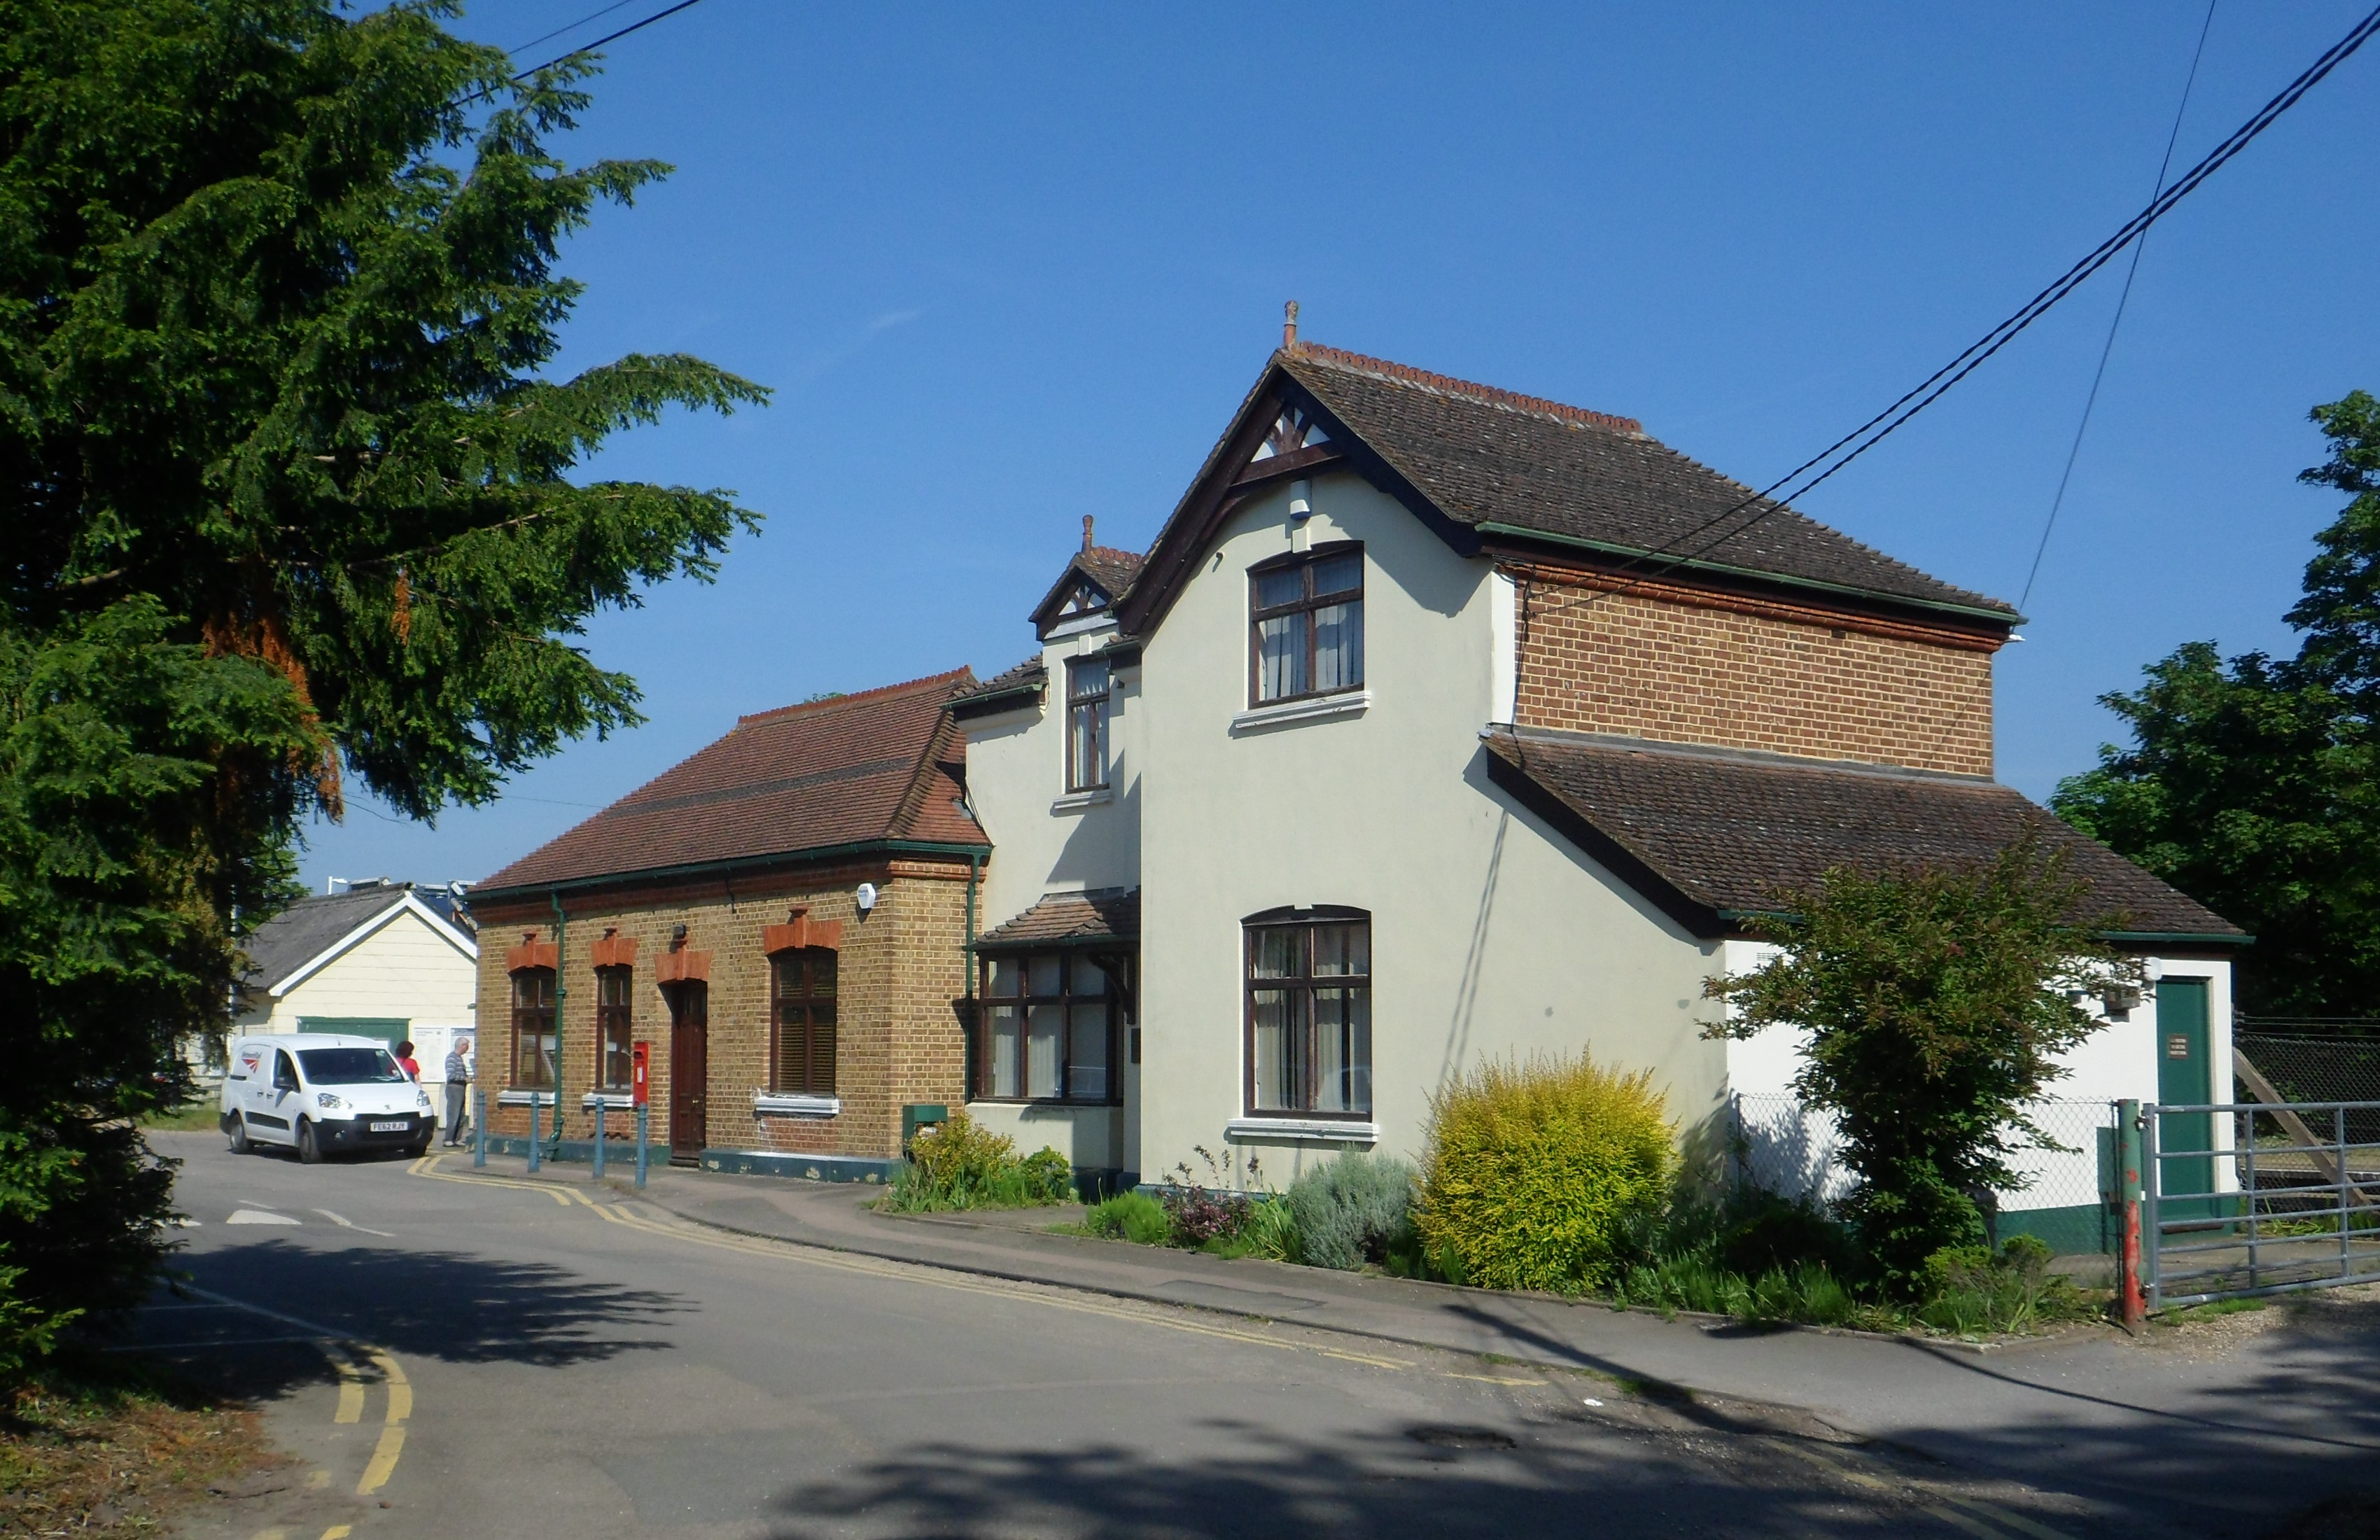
(2185, 1076)
(391, 1030)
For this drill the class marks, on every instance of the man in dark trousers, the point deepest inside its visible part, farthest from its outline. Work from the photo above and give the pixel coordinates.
(459, 1079)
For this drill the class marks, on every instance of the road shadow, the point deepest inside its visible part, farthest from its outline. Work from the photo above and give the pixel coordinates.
(420, 1305)
(1230, 1481)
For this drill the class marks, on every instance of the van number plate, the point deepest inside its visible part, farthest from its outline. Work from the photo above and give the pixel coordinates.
(399, 1126)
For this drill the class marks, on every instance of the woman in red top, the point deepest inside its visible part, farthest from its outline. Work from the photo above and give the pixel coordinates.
(404, 1061)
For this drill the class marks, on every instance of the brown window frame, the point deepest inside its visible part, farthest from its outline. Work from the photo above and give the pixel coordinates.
(1113, 995)
(810, 1080)
(526, 1018)
(1308, 603)
(615, 1030)
(1093, 706)
(1305, 922)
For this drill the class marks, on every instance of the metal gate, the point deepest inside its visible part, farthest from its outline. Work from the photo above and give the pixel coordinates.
(2241, 1198)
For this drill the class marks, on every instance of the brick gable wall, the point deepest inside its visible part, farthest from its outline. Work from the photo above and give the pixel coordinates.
(1680, 665)
(901, 975)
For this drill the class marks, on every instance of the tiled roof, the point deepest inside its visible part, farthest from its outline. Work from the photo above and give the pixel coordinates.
(1722, 831)
(308, 929)
(888, 764)
(1102, 914)
(1482, 456)
(1032, 673)
(1111, 569)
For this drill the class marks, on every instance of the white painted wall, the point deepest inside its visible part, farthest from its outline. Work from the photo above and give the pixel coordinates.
(408, 967)
(2118, 1061)
(1045, 841)
(1490, 935)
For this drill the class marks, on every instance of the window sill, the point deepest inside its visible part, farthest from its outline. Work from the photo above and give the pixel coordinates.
(523, 1098)
(1352, 703)
(768, 1104)
(1075, 801)
(612, 1101)
(1045, 1103)
(1329, 1129)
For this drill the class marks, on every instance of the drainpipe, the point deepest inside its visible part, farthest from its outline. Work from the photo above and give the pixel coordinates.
(561, 1013)
(974, 866)
(974, 1016)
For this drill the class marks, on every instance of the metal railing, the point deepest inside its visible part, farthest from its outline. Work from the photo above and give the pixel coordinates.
(2250, 1198)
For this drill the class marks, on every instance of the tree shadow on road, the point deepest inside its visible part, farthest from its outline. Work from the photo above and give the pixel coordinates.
(1257, 1481)
(444, 1305)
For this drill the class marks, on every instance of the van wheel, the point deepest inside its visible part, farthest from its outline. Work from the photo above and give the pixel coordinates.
(235, 1127)
(309, 1148)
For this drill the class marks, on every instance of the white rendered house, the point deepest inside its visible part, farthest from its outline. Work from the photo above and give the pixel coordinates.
(1442, 723)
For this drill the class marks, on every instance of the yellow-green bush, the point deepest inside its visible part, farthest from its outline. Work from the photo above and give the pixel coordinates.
(1536, 1171)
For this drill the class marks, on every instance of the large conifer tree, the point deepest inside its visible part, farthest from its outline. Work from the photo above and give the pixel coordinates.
(286, 499)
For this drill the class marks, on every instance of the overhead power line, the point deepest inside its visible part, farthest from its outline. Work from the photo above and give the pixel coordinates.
(2106, 349)
(586, 48)
(1807, 476)
(548, 37)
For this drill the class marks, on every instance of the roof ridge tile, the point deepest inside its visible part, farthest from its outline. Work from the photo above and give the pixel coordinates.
(954, 678)
(1405, 374)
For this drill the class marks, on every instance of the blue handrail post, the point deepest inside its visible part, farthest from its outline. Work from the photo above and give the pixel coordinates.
(599, 1135)
(479, 1124)
(532, 1129)
(641, 1144)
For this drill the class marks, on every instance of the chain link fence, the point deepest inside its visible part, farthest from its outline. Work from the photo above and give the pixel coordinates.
(2333, 1065)
(1777, 1145)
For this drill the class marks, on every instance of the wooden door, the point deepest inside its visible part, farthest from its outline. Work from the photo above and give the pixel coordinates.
(2185, 1077)
(690, 1071)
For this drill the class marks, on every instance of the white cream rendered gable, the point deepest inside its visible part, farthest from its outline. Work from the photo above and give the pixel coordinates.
(1490, 935)
(405, 962)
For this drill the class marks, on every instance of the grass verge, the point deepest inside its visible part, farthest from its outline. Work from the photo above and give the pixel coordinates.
(99, 1445)
(201, 1116)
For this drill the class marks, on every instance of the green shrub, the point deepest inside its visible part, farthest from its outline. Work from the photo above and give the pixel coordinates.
(1537, 1172)
(961, 1165)
(1271, 1230)
(1348, 1211)
(1048, 1175)
(1134, 1216)
(1969, 1290)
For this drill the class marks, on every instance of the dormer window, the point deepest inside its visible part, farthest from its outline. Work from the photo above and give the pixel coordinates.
(1305, 617)
(1086, 725)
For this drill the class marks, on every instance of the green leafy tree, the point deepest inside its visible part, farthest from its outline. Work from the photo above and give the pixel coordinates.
(1935, 1004)
(289, 497)
(2253, 784)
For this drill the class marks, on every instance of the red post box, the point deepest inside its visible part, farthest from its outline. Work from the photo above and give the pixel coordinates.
(640, 1055)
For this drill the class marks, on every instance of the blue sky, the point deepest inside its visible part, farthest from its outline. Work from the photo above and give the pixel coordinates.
(1009, 265)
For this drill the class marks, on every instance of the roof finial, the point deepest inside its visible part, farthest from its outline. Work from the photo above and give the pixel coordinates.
(1289, 327)
(1086, 531)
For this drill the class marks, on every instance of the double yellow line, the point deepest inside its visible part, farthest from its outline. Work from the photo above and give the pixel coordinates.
(352, 1383)
(934, 1277)
(1971, 1515)
(354, 1386)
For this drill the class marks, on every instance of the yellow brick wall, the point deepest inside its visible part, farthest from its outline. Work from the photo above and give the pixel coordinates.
(1648, 665)
(898, 1038)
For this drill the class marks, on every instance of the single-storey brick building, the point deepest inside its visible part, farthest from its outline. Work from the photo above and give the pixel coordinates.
(784, 918)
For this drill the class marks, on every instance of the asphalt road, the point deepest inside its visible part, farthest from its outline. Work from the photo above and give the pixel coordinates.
(450, 1357)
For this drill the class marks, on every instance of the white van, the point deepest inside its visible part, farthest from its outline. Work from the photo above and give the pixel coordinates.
(320, 1094)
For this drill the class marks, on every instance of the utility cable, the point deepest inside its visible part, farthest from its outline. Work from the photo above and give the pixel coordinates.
(1860, 440)
(589, 48)
(548, 37)
(2107, 348)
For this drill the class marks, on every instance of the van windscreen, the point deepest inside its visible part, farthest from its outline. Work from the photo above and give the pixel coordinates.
(350, 1066)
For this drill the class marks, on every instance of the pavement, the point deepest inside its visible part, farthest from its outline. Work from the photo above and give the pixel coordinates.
(750, 1357)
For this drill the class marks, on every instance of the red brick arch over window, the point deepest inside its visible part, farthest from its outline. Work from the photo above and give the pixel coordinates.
(532, 954)
(801, 933)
